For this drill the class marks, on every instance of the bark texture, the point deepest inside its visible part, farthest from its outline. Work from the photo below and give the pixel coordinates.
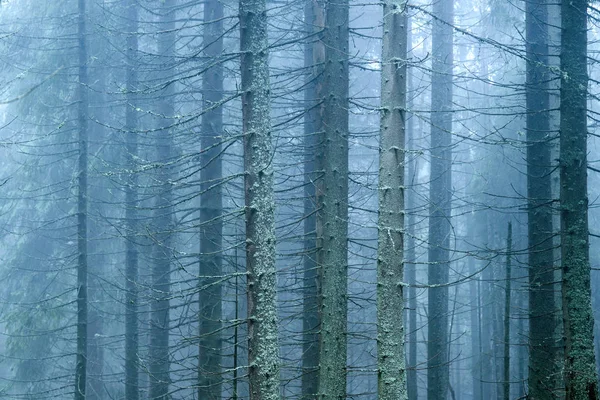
(440, 195)
(580, 372)
(263, 347)
(332, 232)
(82, 206)
(542, 368)
(314, 54)
(390, 263)
(211, 209)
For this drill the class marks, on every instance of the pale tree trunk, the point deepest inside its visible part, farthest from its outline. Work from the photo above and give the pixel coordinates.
(411, 265)
(542, 367)
(580, 367)
(314, 53)
(475, 325)
(332, 232)
(390, 264)
(263, 344)
(211, 209)
(82, 177)
(507, 296)
(163, 215)
(440, 200)
(131, 203)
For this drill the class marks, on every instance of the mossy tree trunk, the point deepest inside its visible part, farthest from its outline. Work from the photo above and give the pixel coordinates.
(581, 381)
(390, 253)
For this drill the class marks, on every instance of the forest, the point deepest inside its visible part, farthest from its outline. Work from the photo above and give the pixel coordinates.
(299, 199)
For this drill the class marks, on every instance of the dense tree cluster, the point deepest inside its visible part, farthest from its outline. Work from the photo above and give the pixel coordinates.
(299, 199)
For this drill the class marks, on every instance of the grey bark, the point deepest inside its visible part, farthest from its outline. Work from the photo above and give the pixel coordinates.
(158, 367)
(581, 380)
(390, 253)
(211, 209)
(332, 232)
(263, 347)
(313, 127)
(475, 325)
(542, 366)
(82, 177)
(440, 200)
(411, 265)
(131, 203)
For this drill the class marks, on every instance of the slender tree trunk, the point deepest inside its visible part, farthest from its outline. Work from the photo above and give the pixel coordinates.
(333, 231)
(507, 315)
(475, 333)
(314, 53)
(580, 372)
(390, 255)
(411, 266)
(163, 214)
(211, 223)
(440, 200)
(542, 370)
(263, 346)
(132, 388)
(82, 240)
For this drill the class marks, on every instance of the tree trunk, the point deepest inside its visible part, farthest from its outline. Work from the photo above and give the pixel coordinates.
(132, 388)
(333, 209)
(411, 265)
(314, 53)
(82, 176)
(440, 200)
(263, 344)
(542, 369)
(211, 222)
(163, 214)
(506, 380)
(390, 264)
(475, 333)
(580, 372)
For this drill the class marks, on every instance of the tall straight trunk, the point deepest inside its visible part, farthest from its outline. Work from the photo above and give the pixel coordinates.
(475, 334)
(542, 367)
(440, 195)
(211, 223)
(581, 380)
(411, 265)
(390, 253)
(332, 232)
(313, 125)
(132, 387)
(82, 177)
(263, 344)
(163, 214)
(507, 295)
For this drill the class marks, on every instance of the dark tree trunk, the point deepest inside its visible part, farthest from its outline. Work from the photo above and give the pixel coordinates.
(581, 380)
(440, 196)
(211, 209)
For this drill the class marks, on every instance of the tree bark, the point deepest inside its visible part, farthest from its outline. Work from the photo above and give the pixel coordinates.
(82, 177)
(263, 345)
(390, 254)
(211, 210)
(332, 233)
(440, 200)
(580, 372)
(542, 366)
